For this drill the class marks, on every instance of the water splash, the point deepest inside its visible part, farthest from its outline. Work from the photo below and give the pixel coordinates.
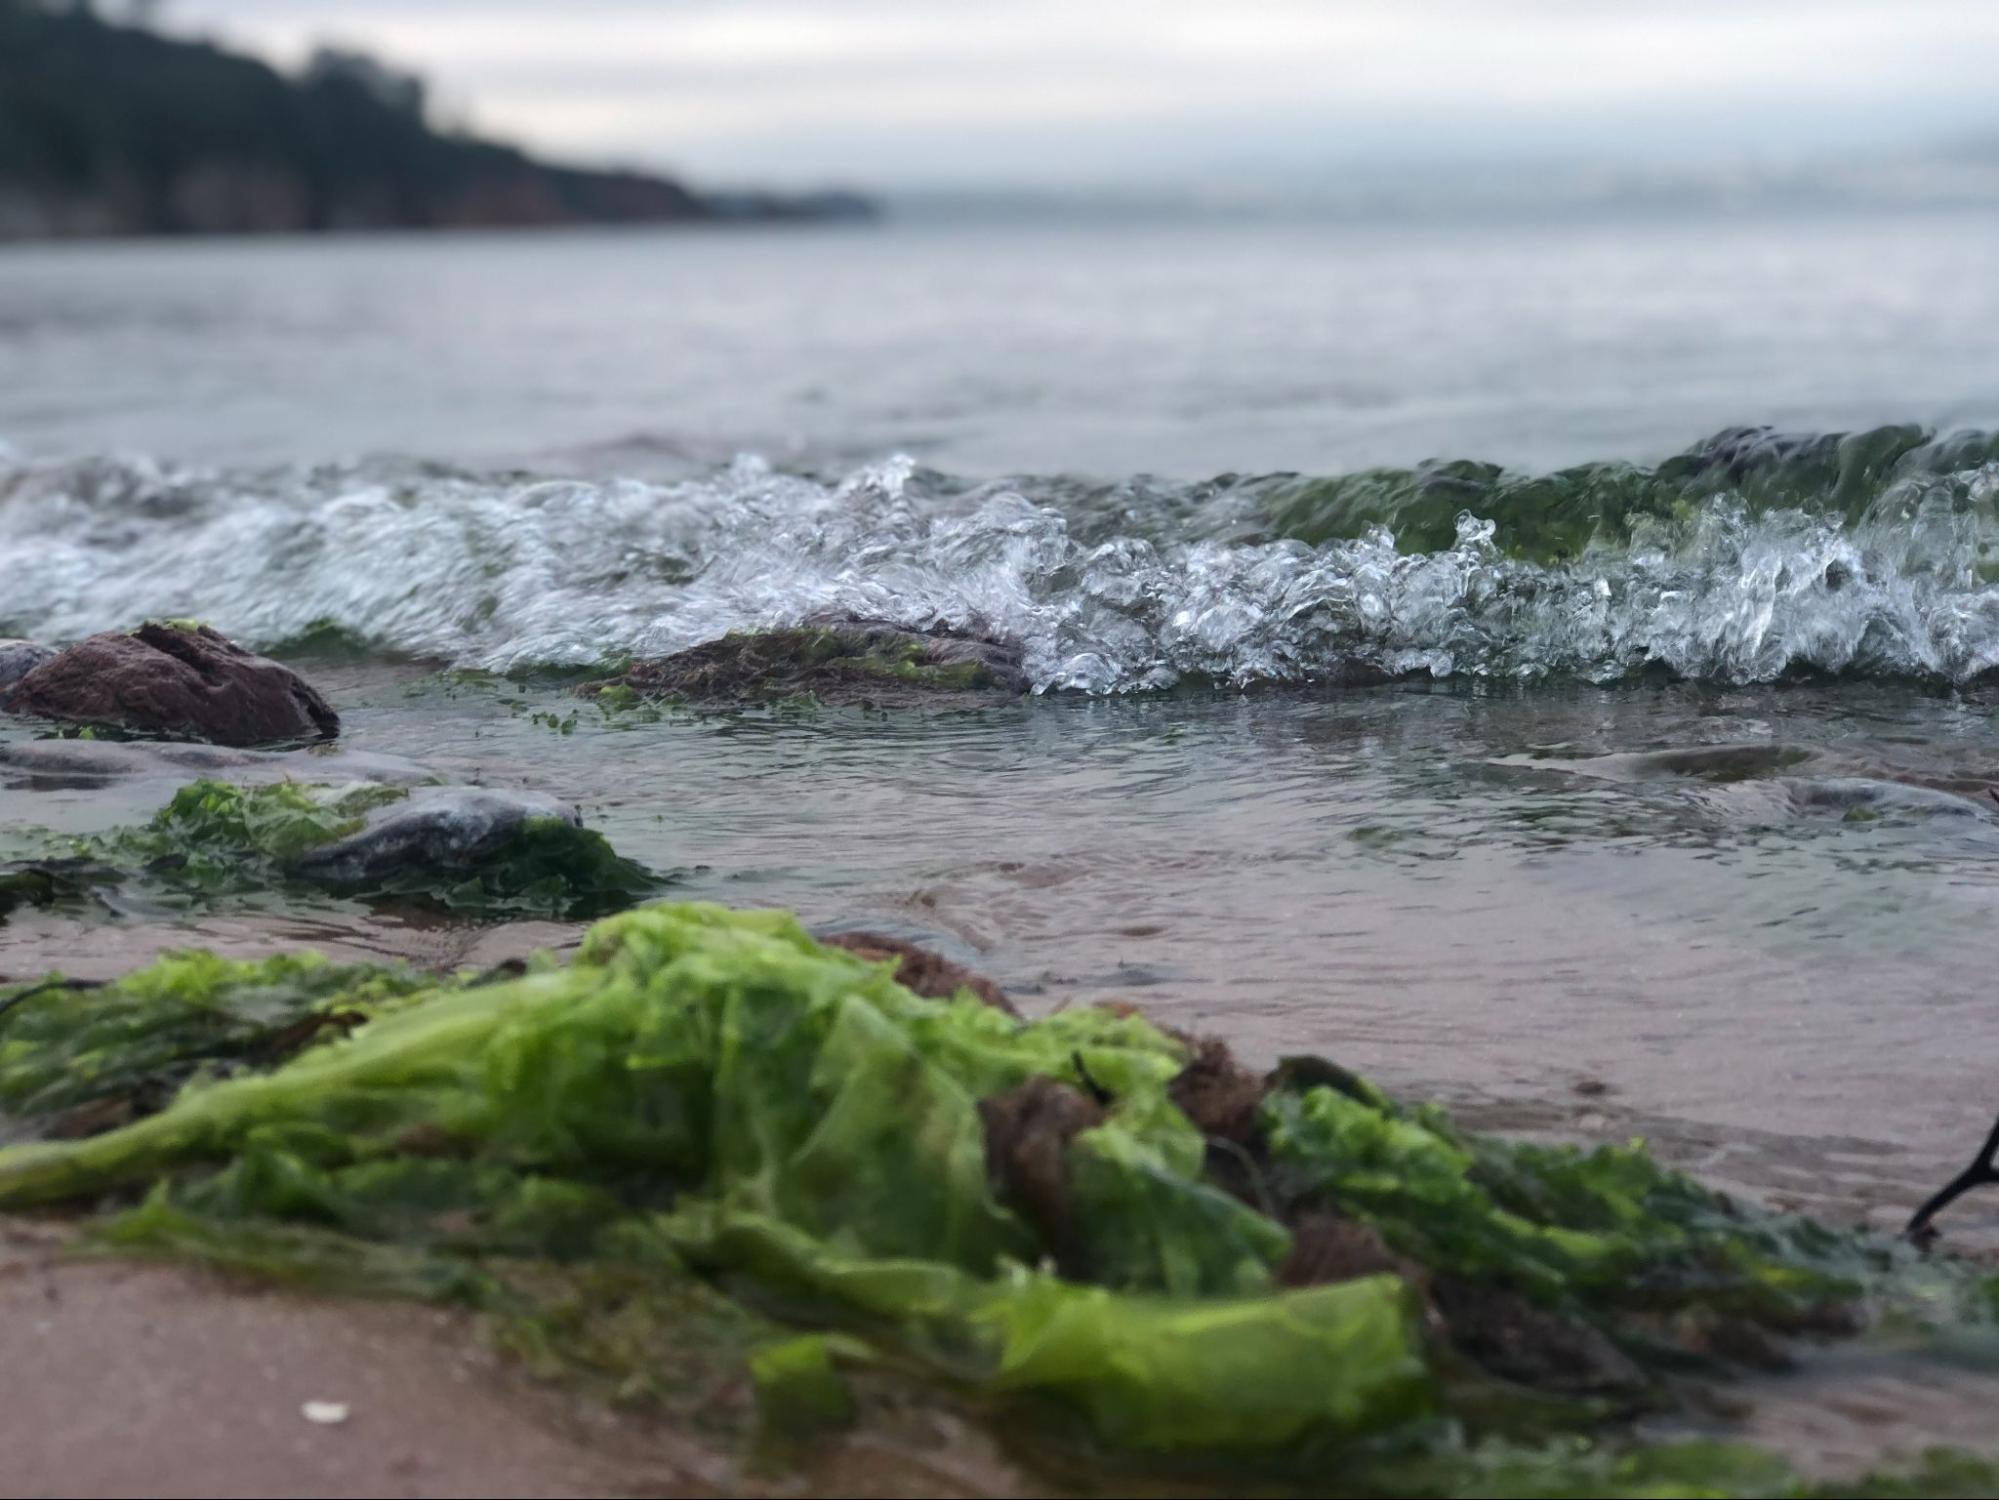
(1111, 588)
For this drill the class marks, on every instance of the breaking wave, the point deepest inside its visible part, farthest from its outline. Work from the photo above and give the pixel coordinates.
(1750, 558)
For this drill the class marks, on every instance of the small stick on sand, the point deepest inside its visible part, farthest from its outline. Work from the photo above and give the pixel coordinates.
(1981, 1171)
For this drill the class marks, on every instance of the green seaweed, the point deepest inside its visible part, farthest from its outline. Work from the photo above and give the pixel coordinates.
(711, 1103)
(218, 840)
(1599, 1229)
(1549, 517)
(614, 697)
(799, 661)
(64, 1046)
(32, 882)
(214, 836)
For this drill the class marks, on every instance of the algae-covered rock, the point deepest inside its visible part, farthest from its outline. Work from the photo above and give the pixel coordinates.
(1020, 1213)
(839, 662)
(433, 828)
(178, 680)
(471, 850)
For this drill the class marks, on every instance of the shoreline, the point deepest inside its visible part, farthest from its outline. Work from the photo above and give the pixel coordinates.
(1783, 1383)
(700, 1153)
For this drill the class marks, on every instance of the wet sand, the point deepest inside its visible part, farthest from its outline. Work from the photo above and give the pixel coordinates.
(154, 1380)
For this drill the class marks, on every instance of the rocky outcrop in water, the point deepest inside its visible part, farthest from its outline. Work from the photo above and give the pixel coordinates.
(176, 680)
(467, 850)
(866, 662)
(436, 829)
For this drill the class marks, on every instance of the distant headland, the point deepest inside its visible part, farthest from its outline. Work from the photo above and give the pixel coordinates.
(110, 129)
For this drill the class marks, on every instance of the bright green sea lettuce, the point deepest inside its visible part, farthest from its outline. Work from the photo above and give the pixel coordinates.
(136, 1043)
(707, 1098)
(215, 836)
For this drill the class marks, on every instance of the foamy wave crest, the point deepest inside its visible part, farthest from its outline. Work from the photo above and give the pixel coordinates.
(1112, 589)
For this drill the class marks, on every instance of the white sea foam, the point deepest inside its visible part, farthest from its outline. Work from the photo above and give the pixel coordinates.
(509, 571)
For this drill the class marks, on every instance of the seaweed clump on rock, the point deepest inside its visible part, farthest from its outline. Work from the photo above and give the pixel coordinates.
(471, 850)
(866, 662)
(174, 679)
(1027, 1217)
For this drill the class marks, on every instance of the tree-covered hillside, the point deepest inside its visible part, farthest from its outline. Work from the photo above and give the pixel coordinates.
(114, 129)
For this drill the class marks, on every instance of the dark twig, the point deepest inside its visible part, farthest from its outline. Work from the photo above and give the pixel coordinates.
(506, 968)
(1982, 1170)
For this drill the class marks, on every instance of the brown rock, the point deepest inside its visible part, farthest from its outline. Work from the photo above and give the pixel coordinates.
(178, 681)
(836, 661)
(1222, 1097)
(19, 658)
(1326, 1248)
(1028, 1130)
(920, 971)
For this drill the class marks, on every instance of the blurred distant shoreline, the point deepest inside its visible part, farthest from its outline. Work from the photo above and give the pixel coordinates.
(111, 130)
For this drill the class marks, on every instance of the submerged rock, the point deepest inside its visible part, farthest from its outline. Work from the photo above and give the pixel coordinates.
(438, 828)
(866, 662)
(19, 658)
(1028, 1130)
(1861, 797)
(184, 681)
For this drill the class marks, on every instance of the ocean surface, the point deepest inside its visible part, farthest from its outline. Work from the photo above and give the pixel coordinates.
(1546, 666)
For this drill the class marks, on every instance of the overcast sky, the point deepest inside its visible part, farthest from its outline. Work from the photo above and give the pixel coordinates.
(1078, 93)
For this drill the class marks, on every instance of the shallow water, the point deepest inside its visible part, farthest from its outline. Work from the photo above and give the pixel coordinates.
(1748, 923)
(1785, 967)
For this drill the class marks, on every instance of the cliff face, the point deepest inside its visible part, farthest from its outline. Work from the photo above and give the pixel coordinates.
(108, 130)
